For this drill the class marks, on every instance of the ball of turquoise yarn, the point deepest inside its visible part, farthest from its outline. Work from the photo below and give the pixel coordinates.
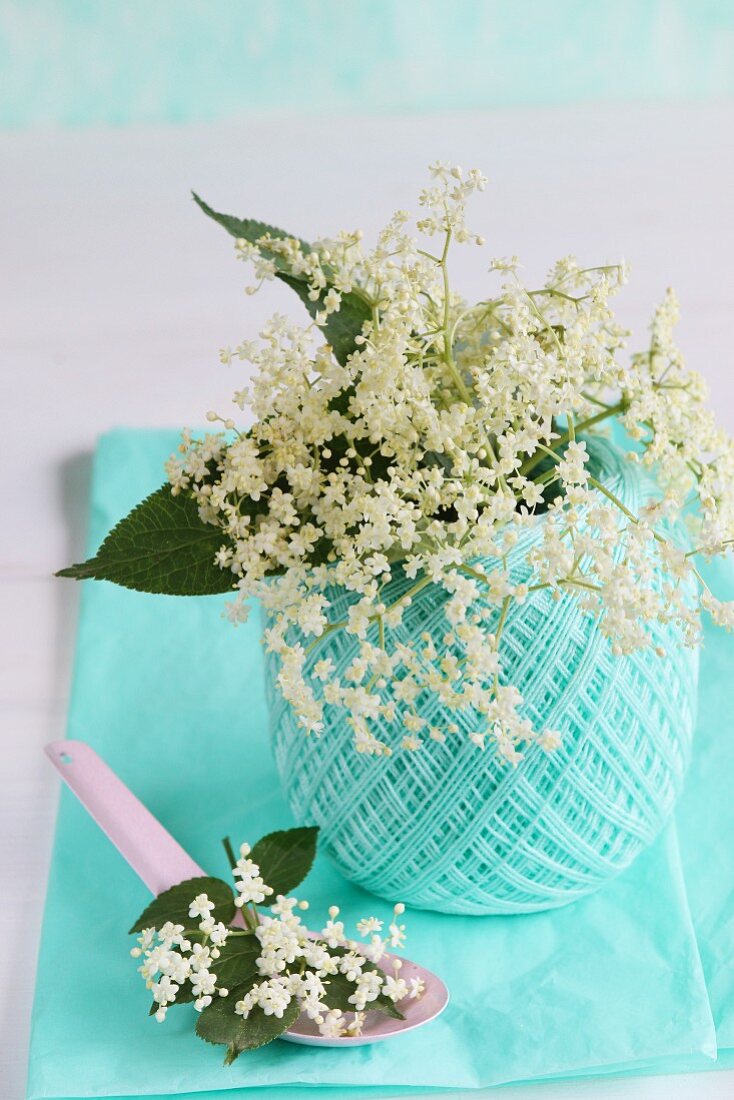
(458, 830)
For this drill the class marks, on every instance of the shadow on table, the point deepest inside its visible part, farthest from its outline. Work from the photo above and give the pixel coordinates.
(73, 487)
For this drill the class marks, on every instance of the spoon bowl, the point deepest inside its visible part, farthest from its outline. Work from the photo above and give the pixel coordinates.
(377, 1026)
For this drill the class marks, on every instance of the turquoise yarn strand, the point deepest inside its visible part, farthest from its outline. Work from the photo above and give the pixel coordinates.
(458, 830)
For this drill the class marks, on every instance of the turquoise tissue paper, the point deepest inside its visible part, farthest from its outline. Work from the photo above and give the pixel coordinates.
(173, 698)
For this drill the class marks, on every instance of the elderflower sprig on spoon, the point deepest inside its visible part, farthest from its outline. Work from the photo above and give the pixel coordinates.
(251, 983)
(252, 976)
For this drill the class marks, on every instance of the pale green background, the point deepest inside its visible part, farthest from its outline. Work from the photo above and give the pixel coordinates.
(81, 62)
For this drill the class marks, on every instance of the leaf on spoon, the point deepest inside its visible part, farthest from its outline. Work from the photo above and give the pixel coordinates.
(339, 990)
(173, 905)
(236, 961)
(220, 1024)
(285, 857)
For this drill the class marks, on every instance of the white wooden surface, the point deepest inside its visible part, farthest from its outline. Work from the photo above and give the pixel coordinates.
(116, 294)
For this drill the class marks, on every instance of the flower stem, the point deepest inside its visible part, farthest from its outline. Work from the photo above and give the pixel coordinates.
(611, 410)
(227, 844)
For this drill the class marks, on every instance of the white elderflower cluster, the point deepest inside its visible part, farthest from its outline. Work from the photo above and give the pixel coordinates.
(171, 959)
(291, 963)
(425, 452)
(250, 886)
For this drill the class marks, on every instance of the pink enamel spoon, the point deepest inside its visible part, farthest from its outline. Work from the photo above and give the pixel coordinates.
(161, 862)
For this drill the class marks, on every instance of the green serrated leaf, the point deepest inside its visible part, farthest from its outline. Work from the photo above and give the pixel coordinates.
(220, 1024)
(341, 328)
(173, 905)
(234, 967)
(161, 546)
(236, 962)
(339, 990)
(249, 229)
(285, 857)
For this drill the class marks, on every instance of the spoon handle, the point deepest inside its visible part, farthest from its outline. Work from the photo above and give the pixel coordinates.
(151, 851)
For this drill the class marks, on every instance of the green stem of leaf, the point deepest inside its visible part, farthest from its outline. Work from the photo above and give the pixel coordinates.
(227, 844)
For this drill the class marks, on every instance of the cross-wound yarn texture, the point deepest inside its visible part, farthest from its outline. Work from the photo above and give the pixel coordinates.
(456, 829)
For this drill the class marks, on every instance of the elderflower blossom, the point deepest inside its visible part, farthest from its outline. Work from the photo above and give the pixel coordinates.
(292, 964)
(426, 450)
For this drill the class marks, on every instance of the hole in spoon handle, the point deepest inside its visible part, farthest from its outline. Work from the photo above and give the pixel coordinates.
(151, 851)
